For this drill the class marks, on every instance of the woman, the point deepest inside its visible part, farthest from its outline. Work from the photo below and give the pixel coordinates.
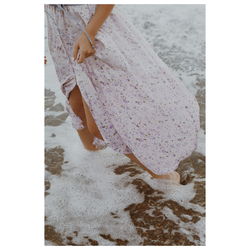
(118, 91)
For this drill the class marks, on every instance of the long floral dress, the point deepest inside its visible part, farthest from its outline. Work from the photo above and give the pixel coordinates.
(138, 103)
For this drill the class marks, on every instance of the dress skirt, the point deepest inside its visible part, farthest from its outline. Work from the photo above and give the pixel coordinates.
(138, 103)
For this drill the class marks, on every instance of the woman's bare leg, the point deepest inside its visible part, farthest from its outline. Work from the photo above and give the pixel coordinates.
(76, 104)
(91, 122)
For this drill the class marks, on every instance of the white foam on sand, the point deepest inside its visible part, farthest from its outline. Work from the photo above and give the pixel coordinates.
(82, 198)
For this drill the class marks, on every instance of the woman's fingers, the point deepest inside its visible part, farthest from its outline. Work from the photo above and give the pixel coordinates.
(82, 48)
(79, 53)
(75, 51)
(81, 56)
(84, 54)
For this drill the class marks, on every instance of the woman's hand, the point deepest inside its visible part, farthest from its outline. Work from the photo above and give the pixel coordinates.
(82, 48)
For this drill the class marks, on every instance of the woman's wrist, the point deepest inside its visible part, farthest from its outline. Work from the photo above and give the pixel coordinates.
(90, 37)
(91, 31)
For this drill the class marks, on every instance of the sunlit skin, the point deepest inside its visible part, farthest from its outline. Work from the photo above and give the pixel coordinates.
(81, 50)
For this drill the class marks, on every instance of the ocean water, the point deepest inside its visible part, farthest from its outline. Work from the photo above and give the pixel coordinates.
(101, 198)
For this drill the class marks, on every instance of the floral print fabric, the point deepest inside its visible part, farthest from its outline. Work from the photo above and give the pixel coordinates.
(138, 103)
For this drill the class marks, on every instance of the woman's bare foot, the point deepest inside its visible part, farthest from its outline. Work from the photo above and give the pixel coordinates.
(173, 176)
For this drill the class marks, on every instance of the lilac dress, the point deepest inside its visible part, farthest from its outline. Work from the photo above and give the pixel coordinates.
(138, 103)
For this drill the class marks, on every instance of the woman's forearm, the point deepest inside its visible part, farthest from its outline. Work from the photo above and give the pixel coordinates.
(102, 11)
